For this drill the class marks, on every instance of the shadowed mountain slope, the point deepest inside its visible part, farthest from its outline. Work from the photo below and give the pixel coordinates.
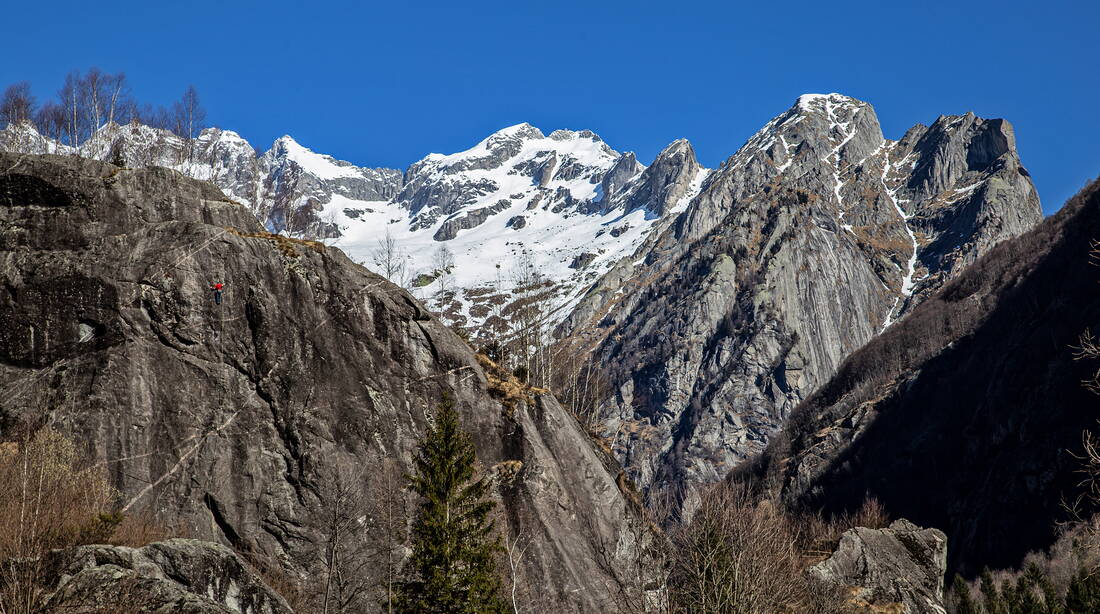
(966, 414)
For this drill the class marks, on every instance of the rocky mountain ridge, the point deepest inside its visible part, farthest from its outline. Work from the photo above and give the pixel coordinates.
(815, 236)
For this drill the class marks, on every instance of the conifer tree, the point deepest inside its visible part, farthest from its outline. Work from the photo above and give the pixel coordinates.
(452, 569)
(964, 603)
(992, 598)
(1083, 595)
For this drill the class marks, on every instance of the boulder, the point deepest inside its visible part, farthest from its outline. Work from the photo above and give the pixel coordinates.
(902, 564)
(177, 575)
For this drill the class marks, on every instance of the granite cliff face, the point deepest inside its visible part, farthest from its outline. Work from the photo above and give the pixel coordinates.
(966, 415)
(810, 240)
(231, 420)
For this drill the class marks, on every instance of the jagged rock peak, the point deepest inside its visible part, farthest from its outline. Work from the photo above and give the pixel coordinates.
(626, 168)
(669, 183)
(679, 147)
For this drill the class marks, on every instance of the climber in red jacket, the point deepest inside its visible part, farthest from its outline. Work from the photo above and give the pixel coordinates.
(217, 288)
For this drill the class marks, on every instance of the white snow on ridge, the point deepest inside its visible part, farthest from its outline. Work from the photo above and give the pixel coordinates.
(534, 147)
(320, 165)
(907, 281)
(806, 101)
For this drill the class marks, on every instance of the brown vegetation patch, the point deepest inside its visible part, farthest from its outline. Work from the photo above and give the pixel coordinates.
(284, 244)
(507, 471)
(505, 387)
(888, 244)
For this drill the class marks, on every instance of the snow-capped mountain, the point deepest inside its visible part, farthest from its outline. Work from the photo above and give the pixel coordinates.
(519, 207)
(517, 201)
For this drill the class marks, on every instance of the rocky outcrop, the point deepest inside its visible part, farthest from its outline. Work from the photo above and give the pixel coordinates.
(232, 421)
(178, 575)
(626, 168)
(967, 414)
(897, 569)
(471, 219)
(667, 184)
(814, 237)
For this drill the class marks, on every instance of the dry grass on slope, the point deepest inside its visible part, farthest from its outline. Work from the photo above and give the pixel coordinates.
(505, 387)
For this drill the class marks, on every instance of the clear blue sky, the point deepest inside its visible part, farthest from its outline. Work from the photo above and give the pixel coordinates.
(384, 84)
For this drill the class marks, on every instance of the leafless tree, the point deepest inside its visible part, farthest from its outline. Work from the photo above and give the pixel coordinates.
(579, 382)
(528, 321)
(90, 90)
(340, 563)
(1088, 349)
(443, 262)
(388, 518)
(390, 259)
(514, 550)
(117, 100)
(736, 555)
(50, 121)
(17, 104)
(71, 102)
(52, 500)
(190, 117)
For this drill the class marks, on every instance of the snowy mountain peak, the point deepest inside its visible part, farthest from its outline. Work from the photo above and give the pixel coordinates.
(523, 130)
(224, 136)
(811, 102)
(321, 166)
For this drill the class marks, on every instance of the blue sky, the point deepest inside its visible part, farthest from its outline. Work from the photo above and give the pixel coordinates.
(384, 84)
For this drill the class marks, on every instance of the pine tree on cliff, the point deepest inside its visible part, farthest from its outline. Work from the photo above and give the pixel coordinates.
(452, 568)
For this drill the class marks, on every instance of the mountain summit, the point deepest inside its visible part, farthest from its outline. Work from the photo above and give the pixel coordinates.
(812, 238)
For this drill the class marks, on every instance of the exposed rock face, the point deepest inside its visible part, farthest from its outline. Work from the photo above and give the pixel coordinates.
(230, 420)
(626, 168)
(902, 565)
(673, 179)
(811, 239)
(966, 415)
(178, 575)
(471, 219)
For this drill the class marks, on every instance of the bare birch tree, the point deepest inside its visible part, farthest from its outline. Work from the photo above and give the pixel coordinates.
(390, 259)
(443, 262)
